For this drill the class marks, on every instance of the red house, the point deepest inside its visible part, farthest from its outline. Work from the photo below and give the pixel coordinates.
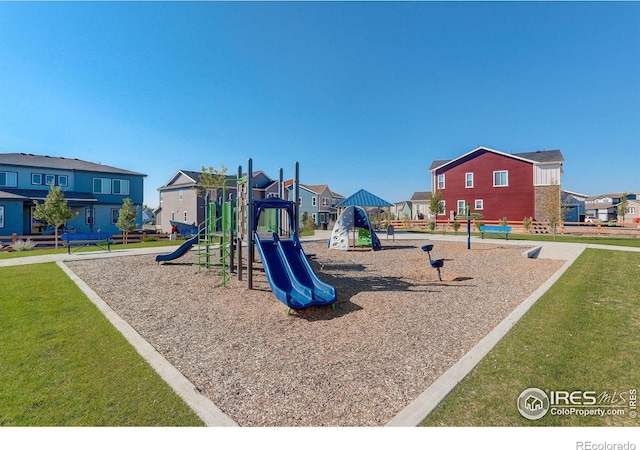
(495, 183)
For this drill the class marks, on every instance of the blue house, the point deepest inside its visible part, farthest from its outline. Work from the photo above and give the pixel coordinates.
(95, 191)
(318, 201)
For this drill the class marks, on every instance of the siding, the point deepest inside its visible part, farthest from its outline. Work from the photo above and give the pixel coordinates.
(544, 175)
(514, 201)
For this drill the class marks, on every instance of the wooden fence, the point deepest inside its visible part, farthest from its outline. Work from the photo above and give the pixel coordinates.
(626, 229)
(49, 240)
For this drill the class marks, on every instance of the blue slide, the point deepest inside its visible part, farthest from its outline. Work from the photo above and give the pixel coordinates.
(184, 248)
(290, 275)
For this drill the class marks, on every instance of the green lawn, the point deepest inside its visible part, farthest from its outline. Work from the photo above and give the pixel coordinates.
(581, 335)
(63, 364)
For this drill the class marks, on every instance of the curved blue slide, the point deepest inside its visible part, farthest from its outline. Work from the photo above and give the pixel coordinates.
(184, 248)
(290, 276)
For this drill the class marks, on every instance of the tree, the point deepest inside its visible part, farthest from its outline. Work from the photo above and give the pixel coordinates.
(210, 180)
(307, 222)
(127, 218)
(55, 211)
(435, 204)
(622, 207)
(551, 207)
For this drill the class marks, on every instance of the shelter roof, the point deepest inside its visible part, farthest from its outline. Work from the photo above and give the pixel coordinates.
(364, 198)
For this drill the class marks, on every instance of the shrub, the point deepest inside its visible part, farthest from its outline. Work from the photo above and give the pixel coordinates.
(504, 222)
(23, 246)
(432, 225)
(479, 224)
(526, 223)
(456, 226)
(149, 238)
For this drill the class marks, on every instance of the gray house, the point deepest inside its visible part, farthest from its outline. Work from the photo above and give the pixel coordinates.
(180, 202)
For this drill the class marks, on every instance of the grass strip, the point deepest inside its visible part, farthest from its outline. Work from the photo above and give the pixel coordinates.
(63, 364)
(582, 335)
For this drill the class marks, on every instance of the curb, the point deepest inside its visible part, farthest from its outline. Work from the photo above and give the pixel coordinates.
(210, 414)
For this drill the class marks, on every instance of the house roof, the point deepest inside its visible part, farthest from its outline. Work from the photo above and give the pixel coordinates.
(421, 196)
(315, 188)
(364, 198)
(403, 203)
(59, 162)
(537, 157)
(195, 175)
(41, 194)
(576, 194)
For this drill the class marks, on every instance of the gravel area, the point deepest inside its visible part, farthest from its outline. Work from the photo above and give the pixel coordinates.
(395, 329)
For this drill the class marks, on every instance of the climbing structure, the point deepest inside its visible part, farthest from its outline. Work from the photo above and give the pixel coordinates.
(352, 218)
(219, 232)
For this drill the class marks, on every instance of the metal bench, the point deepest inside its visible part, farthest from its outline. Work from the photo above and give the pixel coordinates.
(84, 239)
(435, 263)
(495, 229)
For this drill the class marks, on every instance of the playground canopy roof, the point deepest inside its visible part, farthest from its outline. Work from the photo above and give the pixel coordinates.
(363, 198)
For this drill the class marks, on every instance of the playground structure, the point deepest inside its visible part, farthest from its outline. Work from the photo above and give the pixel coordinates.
(261, 223)
(353, 218)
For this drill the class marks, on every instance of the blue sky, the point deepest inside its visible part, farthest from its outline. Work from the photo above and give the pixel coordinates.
(363, 95)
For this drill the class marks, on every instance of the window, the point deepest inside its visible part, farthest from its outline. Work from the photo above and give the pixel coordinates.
(115, 213)
(185, 216)
(325, 201)
(180, 194)
(443, 208)
(461, 207)
(468, 180)
(441, 181)
(314, 201)
(101, 186)
(9, 179)
(299, 201)
(63, 180)
(49, 180)
(500, 178)
(173, 215)
(313, 217)
(36, 179)
(1, 216)
(479, 204)
(121, 187)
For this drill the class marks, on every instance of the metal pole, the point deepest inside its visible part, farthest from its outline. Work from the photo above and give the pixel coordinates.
(250, 224)
(239, 208)
(281, 214)
(468, 226)
(296, 194)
